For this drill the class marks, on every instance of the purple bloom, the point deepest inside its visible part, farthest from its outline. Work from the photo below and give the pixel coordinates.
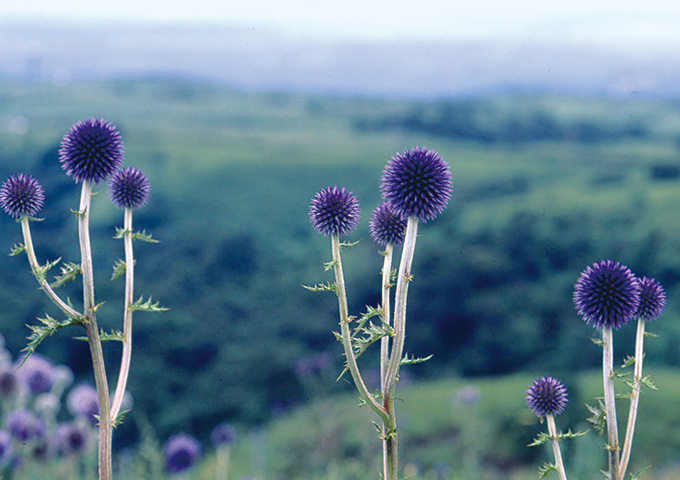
(8, 383)
(334, 211)
(5, 447)
(129, 188)
(417, 183)
(547, 396)
(91, 150)
(83, 401)
(607, 294)
(21, 196)
(652, 299)
(223, 434)
(24, 425)
(181, 452)
(386, 227)
(71, 438)
(37, 373)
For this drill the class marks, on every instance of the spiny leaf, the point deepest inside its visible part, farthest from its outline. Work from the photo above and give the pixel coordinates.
(597, 341)
(322, 287)
(540, 440)
(648, 382)
(17, 249)
(143, 236)
(113, 335)
(68, 273)
(41, 271)
(599, 417)
(414, 360)
(147, 306)
(119, 418)
(47, 327)
(545, 469)
(327, 266)
(348, 244)
(651, 335)
(637, 475)
(119, 268)
(630, 360)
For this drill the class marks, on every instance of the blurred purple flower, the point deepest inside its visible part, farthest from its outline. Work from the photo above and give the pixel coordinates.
(24, 425)
(468, 395)
(223, 434)
(9, 384)
(72, 438)
(21, 196)
(83, 401)
(37, 373)
(181, 452)
(5, 447)
(313, 365)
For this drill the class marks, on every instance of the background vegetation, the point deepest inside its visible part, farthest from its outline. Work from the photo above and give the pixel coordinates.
(543, 186)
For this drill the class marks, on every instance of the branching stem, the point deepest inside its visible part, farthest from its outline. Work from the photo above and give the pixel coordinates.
(552, 430)
(610, 402)
(634, 398)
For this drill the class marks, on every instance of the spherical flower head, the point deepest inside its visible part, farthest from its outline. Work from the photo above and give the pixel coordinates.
(37, 373)
(223, 434)
(181, 452)
(547, 396)
(72, 438)
(386, 227)
(607, 295)
(129, 188)
(91, 150)
(417, 183)
(83, 401)
(9, 384)
(334, 211)
(21, 196)
(23, 425)
(652, 299)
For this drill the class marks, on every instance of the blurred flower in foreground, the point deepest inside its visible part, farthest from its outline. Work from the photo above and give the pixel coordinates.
(181, 452)
(223, 434)
(37, 373)
(547, 396)
(607, 294)
(417, 183)
(334, 211)
(91, 150)
(386, 227)
(72, 438)
(24, 425)
(21, 196)
(5, 447)
(129, 188)
(652, 299)
(83, 401)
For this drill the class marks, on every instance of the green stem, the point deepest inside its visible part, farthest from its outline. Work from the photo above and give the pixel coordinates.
(610, 402)
(384, 347)
(634, 398)
(33, 261)
(92, 331)
(345, 333)
(552, 430)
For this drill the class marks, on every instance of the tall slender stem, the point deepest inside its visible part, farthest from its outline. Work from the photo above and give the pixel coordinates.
(127, 317)
(610, 402)
(33, 261)
(552, 430)
(89, 311)
(345, 333)
(385, 344)
(634, 398)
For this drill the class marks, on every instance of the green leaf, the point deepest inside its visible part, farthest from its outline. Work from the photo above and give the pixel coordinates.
(348, 244)
(545, 469)
(637, 475)
(322, 287)
(648, 382)
(41, 271)
(119, 418)
(47, 327)
(119, 268)
(17, 249)
(114, 335)
(599, 418)
(364, 335)
(540, 440)
(414, 360)
(327, 266)
(143, 236)
(69, 272)
(147, 306)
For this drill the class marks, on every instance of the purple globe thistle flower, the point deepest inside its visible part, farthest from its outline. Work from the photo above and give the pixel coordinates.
(386, 227)
(129, 188)
(181, 452)
(547, 396)
(9, 385)
(83, 401)
(24, 425)
(91, 150)
(607, 294)
(5, 447)
(21, 196)
(334, 211)
(652, 299)
(417, 183)
(223, 434)
(37, 373)
(71, 438)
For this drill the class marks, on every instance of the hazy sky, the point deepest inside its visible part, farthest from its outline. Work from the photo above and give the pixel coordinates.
(607, 20)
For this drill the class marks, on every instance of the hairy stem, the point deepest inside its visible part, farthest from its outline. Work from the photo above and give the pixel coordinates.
(346, 336)
(552, 430)
(610, 402)
(32, 260)
(385, 345)
(89, 311)
(634, 398)
(127, 317)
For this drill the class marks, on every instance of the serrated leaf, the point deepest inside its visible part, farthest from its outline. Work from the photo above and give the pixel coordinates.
(651, 335)
(143, 236)
(114, 335)
(648, 382)
(637, 475)
(47, 327)
(597, 341)
(545, 469)
(119, 418)
(630, 360)
(599, 418)
(348, 244)
(540, 440)
(414, 360)
(41, 270)
(322, 287)
(17, 249)
(69, 272)
(119, 269)
(327, 266)
(147, 306)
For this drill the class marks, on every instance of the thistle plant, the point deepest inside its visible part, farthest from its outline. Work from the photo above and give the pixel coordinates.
(91, 152)
(416, 187)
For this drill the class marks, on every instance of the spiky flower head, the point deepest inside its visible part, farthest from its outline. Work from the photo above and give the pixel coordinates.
(607, 294)
(21, 196)
(547, 396)
(386, 227)
(417, 183)
(129, 188)
(91, 150)
(223, 434)
(181, 452)
(334, 211)
(652, 299)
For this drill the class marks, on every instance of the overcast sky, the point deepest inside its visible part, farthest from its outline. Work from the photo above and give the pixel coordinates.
(575, 20)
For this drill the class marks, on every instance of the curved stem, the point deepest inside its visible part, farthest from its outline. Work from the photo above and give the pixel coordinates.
(610, 402)
(89, 311)
(127, 317)
(634, 398)
(345, 333)
(552, 430)
(33, 261)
